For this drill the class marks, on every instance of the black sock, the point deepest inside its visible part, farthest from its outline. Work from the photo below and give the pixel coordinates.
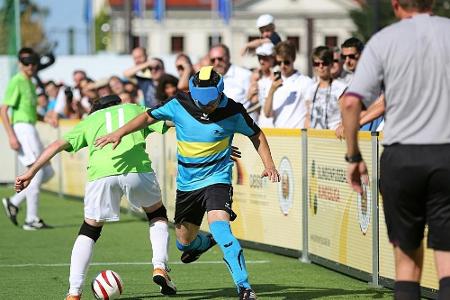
(406, 290)
(444, 288)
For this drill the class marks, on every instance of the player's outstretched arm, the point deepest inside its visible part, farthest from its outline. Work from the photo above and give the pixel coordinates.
(23, 180)
(140, 122)
(260, 142)
(356, 171)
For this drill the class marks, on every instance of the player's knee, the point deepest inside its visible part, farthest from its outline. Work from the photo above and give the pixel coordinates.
(160, 213)
(90, 231)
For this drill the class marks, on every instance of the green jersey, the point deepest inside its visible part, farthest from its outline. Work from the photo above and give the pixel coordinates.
(128, 157)
(21, 97)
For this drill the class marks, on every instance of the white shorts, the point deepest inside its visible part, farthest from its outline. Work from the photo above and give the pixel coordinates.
(30, 143)
(102, 198)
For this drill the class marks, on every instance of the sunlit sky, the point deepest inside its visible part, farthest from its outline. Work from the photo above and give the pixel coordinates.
(62, 16)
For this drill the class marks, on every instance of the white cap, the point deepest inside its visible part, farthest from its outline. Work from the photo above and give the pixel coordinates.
(264, 20)
(265, 49)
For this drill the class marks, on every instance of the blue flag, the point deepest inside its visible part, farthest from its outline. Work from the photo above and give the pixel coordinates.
(224, 9)
(138, 8)
(160, 10)
(88, 12)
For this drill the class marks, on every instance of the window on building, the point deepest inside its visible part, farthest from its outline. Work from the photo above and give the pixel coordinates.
(177, 44)
(331, 41)
(295, 40)
(214, 40)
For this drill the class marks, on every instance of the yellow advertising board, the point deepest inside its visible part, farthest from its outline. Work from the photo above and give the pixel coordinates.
(339, 220)
(269, 213)
(74, 165)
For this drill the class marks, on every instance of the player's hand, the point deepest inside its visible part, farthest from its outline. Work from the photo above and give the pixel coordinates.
(112, 138)
(339, 131)
(23, 181)
(276, 84)
(14, 143)
(357, 174)
(235, 153)
(272, 174)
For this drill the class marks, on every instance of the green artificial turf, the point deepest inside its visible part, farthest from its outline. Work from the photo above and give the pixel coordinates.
(35, 265)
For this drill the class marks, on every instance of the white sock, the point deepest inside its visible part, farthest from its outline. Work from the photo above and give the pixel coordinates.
(159, 237)
(18, 198)
(79, 263)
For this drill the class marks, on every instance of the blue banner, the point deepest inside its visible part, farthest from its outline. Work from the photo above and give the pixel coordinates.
(88, 12)
(160, 10)
(224, 9)
(138, 8)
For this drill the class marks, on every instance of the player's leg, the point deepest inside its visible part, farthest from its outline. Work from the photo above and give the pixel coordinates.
(218, 204)
(438, 216)
(404, 189)
(82, 251)
(101, 203)
(31, 147)
(189, 211)
(31, 193)
(142, 189)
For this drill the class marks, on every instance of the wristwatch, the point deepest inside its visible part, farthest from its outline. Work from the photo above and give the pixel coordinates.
(354, 158)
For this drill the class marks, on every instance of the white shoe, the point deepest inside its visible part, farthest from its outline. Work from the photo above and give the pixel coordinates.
(161, 278)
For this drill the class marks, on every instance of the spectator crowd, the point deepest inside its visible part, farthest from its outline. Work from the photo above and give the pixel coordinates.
(275, 94)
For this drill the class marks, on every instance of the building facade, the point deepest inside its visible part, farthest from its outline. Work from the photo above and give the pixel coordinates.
(192, 27)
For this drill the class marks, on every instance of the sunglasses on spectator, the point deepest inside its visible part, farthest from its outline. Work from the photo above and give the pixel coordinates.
(213, 59)
(155, 68)
(336, 60)
(284, 62)
(351, 56)
(180, 68)
(320, 63)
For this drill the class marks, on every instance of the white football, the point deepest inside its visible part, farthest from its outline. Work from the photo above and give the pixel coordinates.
(107, 285)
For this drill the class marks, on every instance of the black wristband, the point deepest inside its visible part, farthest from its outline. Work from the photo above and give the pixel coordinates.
(354, 158)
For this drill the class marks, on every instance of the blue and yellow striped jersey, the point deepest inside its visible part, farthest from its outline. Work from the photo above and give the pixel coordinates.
(204, 141)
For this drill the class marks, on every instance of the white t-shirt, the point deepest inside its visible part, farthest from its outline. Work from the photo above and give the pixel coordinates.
(289, 109)
(236, 84)
(264, 85)
(323, 105)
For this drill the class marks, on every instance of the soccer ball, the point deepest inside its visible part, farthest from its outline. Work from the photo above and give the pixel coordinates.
(107, 285)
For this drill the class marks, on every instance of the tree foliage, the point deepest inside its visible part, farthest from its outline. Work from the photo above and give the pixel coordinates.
(102, 30)
(376, 14)
(31, 31)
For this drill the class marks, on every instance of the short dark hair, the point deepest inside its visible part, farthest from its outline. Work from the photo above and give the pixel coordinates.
(353, 43)
(160, 61)
(105, 102)
(224, 47)
(160, 89)
(285, 49)
(419, 5)
(25, 50)
(323, 53)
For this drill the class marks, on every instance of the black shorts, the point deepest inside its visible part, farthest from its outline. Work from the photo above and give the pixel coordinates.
(190, 206)
(415, 184)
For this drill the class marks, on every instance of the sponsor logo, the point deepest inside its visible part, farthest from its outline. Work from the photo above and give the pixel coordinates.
(364, 203)
(286, 187)
(313, 203)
